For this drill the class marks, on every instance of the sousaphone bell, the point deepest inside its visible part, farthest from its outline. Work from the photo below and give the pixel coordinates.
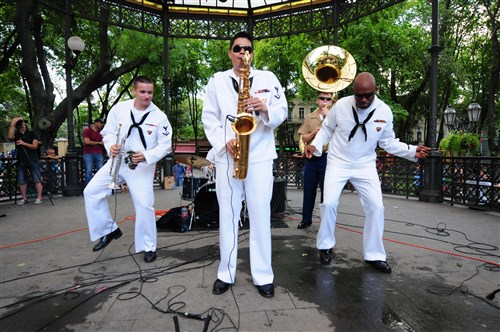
(329, 68)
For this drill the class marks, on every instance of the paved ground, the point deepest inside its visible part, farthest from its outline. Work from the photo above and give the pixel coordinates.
(443, 261)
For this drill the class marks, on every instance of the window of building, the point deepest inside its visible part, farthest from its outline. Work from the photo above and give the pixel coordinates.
(301, 113)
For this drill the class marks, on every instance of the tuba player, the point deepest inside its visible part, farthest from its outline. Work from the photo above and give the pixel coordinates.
(314, 169)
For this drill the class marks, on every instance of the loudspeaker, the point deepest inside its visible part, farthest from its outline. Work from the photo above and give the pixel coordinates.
(279, 196)
(169, 165)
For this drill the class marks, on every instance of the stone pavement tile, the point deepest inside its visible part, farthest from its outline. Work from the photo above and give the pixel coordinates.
(124, 325)
(309, 319)
(347, 295)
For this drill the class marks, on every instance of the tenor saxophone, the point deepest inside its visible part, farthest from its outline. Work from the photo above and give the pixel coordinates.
(243, 124)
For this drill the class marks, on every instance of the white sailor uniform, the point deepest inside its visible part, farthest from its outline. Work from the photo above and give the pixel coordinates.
(154, 140)
(352, 157)
(256, 189)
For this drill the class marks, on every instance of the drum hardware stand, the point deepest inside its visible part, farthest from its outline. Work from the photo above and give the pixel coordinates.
(192, 184)
(193, 195)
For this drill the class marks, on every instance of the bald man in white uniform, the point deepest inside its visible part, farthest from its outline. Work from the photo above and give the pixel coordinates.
(353, 129)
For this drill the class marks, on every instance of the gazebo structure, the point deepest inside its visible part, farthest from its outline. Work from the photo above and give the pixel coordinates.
(220, 19)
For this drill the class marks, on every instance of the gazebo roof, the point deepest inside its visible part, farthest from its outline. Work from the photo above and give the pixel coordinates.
(220, 19)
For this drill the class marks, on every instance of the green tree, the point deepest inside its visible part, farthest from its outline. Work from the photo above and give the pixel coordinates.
(39, 42)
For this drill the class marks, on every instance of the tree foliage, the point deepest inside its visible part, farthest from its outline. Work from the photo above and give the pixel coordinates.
(392, 44)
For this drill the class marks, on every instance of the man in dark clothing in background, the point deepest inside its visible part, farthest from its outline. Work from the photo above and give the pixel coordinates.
(27, 157)
(93, 149)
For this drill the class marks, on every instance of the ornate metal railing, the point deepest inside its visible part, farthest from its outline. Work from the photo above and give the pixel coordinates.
(469, 181)
(53, 175)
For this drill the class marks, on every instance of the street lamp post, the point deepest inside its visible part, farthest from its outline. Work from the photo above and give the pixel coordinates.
(432, 188)
(450, 116)
(473, 113)
(452, 121)
(72, 184)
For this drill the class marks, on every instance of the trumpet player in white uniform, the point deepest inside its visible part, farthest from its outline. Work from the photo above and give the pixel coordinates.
(268, 102)
(148, 138)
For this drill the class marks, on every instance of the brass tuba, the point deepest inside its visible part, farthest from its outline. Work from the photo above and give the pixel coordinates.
(328, 68)
(243, 123)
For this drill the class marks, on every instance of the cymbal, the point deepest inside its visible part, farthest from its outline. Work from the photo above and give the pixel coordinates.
(194, 161)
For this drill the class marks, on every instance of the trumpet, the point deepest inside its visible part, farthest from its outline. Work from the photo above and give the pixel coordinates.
(115, 171)
(115, 164)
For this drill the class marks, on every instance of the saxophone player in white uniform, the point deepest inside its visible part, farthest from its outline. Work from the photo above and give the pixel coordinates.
(148, 135)
(268, 103)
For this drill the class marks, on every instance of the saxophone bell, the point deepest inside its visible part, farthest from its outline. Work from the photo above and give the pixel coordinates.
(243, 124)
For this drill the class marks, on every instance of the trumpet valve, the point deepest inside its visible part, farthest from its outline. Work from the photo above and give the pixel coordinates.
(113, 186)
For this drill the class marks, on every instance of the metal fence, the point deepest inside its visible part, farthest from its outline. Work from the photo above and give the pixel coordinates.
(469, 181)
(53, 178)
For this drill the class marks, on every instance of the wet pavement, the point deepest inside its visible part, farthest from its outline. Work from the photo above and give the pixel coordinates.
(443, 259)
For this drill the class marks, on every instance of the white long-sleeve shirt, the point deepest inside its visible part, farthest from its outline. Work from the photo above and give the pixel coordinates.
(156, 129)
(358, 152)
(221, 100)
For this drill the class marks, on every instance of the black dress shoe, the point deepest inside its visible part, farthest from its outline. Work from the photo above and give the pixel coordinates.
(220, 287)
(303, 225)
(106, 239)
(382, 266)
(266, 290)
(149, 256)
(325, 256)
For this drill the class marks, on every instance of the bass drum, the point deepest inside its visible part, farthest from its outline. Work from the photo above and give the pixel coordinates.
(206, 207)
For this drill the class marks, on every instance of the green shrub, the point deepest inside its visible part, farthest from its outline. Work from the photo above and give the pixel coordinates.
(460, 143)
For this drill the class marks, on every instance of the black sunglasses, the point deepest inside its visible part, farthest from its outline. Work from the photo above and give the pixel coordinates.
(325, 98)
(238, 48)
(364, 95)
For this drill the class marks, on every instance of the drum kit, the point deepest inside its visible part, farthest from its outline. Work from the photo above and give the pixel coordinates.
(201, 191)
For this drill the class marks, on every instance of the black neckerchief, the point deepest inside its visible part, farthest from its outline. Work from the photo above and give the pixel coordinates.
(235, 84)
(362, 124)
(137, 125)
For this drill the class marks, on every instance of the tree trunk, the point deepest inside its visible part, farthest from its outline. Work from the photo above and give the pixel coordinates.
(47, 119)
